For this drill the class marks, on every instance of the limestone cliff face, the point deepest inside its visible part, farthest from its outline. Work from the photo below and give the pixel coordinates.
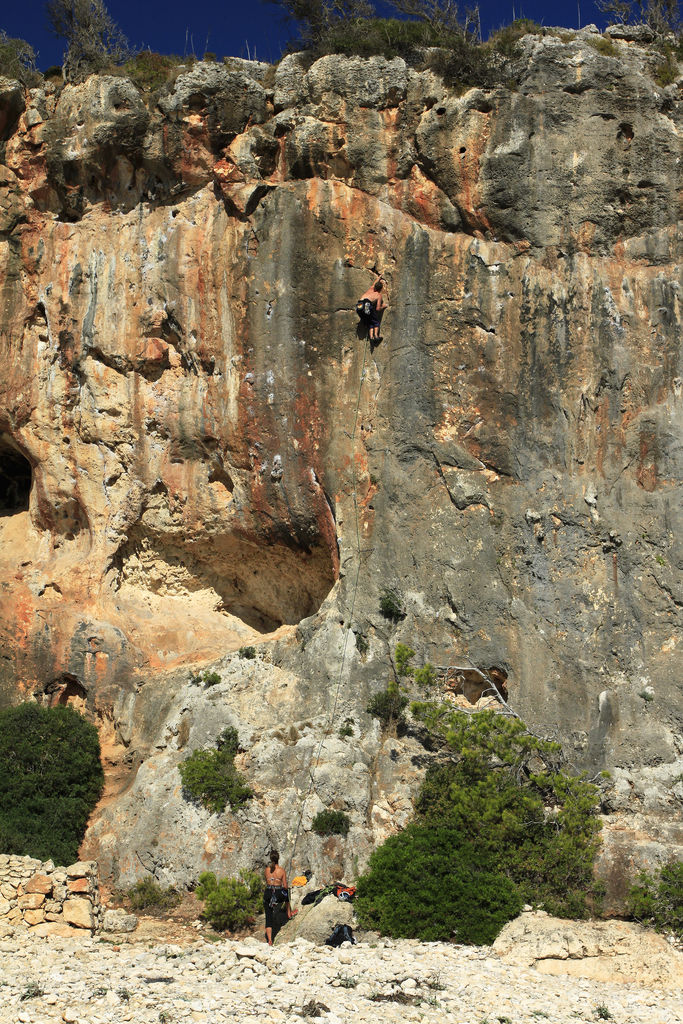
(199, 454)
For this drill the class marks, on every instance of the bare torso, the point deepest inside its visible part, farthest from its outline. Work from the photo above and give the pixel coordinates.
(276, 878)
(374, 296)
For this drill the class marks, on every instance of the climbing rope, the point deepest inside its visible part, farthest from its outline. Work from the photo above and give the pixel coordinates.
(354, 591)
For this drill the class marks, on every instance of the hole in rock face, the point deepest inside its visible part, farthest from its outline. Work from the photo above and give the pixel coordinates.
(15, 477)
(473, 685)
(265, 584)
(65, 689)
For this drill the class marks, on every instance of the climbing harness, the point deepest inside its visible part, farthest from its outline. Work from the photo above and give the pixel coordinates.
(331, 717)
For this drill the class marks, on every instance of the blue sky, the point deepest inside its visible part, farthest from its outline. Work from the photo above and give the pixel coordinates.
(239, 28)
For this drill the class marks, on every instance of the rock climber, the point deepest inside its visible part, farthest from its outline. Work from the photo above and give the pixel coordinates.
(275, 897)
(377, 304)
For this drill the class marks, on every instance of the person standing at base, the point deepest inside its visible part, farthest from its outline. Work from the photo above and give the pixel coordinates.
(375, 295)
(275, 897)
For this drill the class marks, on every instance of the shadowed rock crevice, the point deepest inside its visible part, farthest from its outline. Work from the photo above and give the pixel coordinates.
(16, 478)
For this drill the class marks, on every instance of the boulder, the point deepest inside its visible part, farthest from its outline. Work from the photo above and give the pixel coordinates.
(631, 33)
(11, 105)
(229, 99)
(119, 921)
(386, 86)
(54, 928)
(602, 950)
(34, 916)
(78, 884)
(317, 923)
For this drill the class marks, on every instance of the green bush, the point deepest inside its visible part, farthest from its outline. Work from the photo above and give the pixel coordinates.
(666, 73)
(391, 606)
(205, 679)
(211, 679)
(426, 883)
(247, 652)
(230, 903)
(50, 780)
(149, 71)
(603, 45)
(507, 795)
(461, 60)
(425, 677)
(148, 894)
(389, 706)
(657, 899)
(505, 40)
(210, 776)
(466, 65)
(382, 37)
(331, 823)
(362, 643)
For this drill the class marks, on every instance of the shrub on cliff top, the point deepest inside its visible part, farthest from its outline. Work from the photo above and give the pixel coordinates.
(50, 781)
(17, 60)
(149, 71)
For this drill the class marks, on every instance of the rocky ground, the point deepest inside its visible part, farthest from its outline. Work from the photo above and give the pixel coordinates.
(98, 980)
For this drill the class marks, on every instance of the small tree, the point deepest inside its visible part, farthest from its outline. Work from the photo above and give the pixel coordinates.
(93, 38)
(17, 59)
(506, 792)
(442, 15)
(663, 16)
(331, 823)
(315, 18)
(389, 706)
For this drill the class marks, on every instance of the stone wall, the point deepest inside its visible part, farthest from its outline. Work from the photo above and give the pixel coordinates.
(48, 900)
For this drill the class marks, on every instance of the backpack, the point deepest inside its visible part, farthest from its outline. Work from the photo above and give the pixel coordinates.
(364, 309)
(341, 933)
(345, 893)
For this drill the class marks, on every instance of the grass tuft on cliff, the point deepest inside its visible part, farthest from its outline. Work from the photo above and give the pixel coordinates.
(50, 780)
(150, 71)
